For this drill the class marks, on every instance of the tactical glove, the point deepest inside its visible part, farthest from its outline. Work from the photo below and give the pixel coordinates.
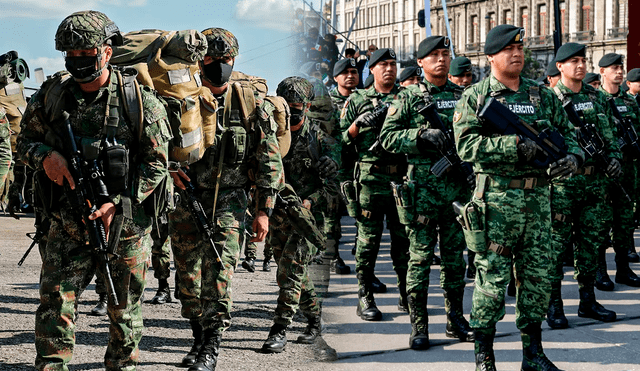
(527, 149)
(366, 120)
(327, 168)
(433, 136)
(614, 169)
(564, 167)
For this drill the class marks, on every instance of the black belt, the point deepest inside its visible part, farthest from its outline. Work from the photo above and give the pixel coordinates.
(389, 169)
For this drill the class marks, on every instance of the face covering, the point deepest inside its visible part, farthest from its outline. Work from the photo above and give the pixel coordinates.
(83, 69)
(217, 72)
(296, 116)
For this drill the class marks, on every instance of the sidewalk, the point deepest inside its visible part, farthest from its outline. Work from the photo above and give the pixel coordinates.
(361, 345)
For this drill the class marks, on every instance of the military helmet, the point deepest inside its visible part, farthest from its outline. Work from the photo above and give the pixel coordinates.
(87, 30)
(295, 89)
(221, 42)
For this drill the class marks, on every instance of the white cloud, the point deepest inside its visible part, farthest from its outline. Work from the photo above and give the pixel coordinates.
(49, 65)
(271, 14)
(56, 8)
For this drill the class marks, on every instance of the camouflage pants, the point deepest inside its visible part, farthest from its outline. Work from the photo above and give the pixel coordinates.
(622, 223)
(161, 250)
(333, 229)
(205, 288)
(586, 214)
(521, 221)
(67, 268)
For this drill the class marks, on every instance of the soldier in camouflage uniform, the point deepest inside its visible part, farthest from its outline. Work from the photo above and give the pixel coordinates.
(375, 169)
(68, 265)
(511, 198)
(406, 131)
(311, 167)
(622, 222)
(251, 156)
(161, 260)
(633, 86)
(5, 147)
(579, 205)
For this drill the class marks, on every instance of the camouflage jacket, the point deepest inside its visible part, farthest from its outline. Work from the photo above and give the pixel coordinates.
(148, 157)
(627, 106)
(338, 99)
(492, 153)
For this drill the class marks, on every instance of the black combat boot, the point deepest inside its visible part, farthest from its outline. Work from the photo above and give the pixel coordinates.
(377, 286)
(471, 269)
(483, 349)
(277, 339)
(196, 330)
(164, 293)
(419, 339)
(101, 307)
(632, 255)
(249, 264)
(367, 309)
(624, 274)
(555, 315)
(590, 308)
(312, 331)
(266, 265)
(403, 306)
(339, 267)
(603, 282)
(533, 357)
(208, 355)
(457, 325)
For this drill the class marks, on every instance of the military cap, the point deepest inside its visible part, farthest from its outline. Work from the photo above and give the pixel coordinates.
(634, 75)
(381, 55)
(501, 36)
(432, 43)
(591, 77)
(459, 66)
(295, 89)
(610, 59)
(368, 82)
(409, 72)
(342, 65)
(569, 50)
(221, 43)
(552, 69)
(87, 29)
(624, 87)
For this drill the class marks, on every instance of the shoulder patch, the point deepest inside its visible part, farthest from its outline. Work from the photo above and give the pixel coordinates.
(456, 116)
(392, 110)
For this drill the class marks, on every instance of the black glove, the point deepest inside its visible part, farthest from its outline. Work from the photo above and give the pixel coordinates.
(527, 149)
(327, 167)
(564, 167)
(433, 136)
(366, 120)
(614, 169)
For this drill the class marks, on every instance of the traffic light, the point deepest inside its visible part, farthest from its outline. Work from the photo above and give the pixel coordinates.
(421, 18)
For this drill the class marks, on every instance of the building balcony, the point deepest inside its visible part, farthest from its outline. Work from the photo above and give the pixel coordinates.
(538, 41)
(617, 33)
(582, 36)
(473, 47)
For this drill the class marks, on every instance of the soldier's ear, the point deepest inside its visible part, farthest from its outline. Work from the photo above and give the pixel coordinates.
(108, 52)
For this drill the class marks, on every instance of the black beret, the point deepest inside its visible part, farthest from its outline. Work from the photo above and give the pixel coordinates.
(610, 59)
(432, 43)
(409, 72)
(569, 50)
(368, 81)
(624, 87)
(552, 69)
(634, 75)
(591, 77)
(459, 66)
(381, 55)
(342, 65)
(501, 36)
(542, 80)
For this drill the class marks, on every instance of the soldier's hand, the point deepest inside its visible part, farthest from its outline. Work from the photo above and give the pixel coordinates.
(306, 204)
(366, 120)
(56, 168)
(177, 177)
(327, 167)
(434, 136)
(527, 149)
(564, 167)
(260, 227)
(614, 169)
(106, 213)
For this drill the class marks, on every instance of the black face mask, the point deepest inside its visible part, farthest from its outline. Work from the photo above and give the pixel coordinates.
(296, 116)
(83, 69)
(217, 72)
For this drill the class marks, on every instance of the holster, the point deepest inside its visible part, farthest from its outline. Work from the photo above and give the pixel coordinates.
(405, 197)
(350, 193)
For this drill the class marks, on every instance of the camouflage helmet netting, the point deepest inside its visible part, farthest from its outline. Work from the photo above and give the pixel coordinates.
(86, 30)
(221, 43)
(295, 90)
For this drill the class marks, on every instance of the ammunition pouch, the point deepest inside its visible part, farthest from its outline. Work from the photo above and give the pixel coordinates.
(473, 216)
(115, 165)
(405, 197)
(161, 201)
(236, 146)
(350, 193)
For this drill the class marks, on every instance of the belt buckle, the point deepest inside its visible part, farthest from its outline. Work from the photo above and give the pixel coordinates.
(588, 170)
(529, 183)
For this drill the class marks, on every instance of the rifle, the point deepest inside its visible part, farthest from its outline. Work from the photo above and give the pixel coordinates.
(629, 138)
(505, 122)
(379, 114)
(89, 192)
(591, 142)
(300, 217)
(450, 156)
(36, 237)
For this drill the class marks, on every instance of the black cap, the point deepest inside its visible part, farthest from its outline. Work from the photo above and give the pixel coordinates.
(634, 75)
(342, 65)
(409, 72)
(368, 82)
(610, 59)
(569, 50)
(459, 66)
(591, 77)
(552, 69)
(624, 87)
(501, 36)
(381, 55)
(432, 43)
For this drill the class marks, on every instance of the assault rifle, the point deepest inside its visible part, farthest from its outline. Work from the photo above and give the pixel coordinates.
(502, 120)
(629, 136)
(89, 193)
(591, 143)
(379, 114)
(449, 154)
(42, 228)
(300, 217)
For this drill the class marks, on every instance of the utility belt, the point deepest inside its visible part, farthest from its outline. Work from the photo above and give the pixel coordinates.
(503, 183)
(389, 169)
(586, 170)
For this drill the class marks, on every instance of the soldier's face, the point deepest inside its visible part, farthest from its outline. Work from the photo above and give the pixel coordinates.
(463, 80)
(574, 68)
(614, 74)
(509, 61)
(411, 81)
(595, 84)
(348, 79)
(436, 64)
(553, 80)
(384, 72)
(634, 87)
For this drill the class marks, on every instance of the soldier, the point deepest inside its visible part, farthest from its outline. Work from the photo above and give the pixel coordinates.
(161, 260)
(587, 221)
(409, 76)
(622, 223)
(68, 264)
(592, 79)
(375, 169)
(406, 131)
(507, 183)
(553, 75)
(460, 72)
(633, 82)
(310, 167)
(222, 177)
(5, 147)
(346, 75)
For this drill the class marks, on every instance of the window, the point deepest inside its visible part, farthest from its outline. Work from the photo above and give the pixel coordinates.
(491, 21)
(475, 30)
(541, 28)
(586, 13)
(507, 17)
(563, 21)
(524, 17)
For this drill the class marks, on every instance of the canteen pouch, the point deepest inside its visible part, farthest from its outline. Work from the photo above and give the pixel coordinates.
(350, 194)
(475, 234)
(404, 195)
(236, 147)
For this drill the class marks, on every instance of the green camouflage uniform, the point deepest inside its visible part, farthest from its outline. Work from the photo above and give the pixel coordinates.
(161, 249)
(433, 218)
(5, 148)
(67, 264)
(516, 218)
(579, 204)
(374, 174)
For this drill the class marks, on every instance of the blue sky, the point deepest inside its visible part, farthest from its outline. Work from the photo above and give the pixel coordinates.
(263, 28)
